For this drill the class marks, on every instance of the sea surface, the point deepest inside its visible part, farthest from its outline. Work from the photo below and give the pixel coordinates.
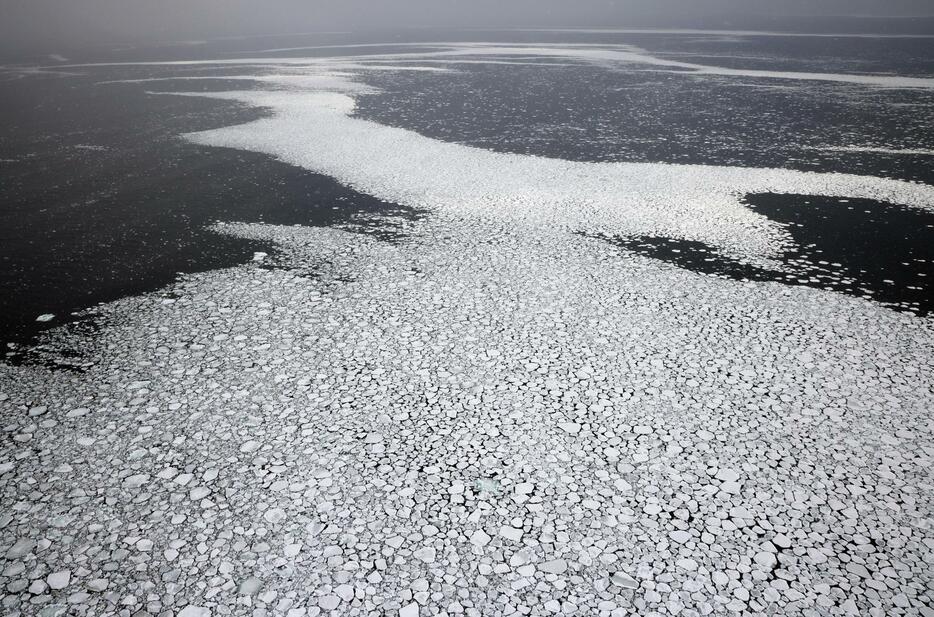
(101, 198)
(485, 323)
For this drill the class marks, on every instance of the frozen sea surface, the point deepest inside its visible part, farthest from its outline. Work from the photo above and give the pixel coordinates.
(499, 412)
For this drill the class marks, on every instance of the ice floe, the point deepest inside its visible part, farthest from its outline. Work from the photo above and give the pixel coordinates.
(317, 130)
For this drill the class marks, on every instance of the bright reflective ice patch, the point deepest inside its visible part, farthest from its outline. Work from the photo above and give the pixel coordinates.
(317, 131)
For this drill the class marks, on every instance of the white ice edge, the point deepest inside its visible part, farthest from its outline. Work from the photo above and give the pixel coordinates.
(619, 54)
(316, 130)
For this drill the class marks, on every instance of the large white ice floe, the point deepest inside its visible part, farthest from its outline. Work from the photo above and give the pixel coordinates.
(316, 129)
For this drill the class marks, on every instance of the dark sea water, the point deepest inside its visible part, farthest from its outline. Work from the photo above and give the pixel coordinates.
(99, 198)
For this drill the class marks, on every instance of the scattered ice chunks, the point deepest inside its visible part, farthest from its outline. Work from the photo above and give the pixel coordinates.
(332, 416)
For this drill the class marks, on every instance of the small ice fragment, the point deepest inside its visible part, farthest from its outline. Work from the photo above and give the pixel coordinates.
(45, 317)
(621, 579)
(487, 485)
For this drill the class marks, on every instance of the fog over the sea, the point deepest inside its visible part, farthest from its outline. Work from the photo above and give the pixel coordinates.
(40, 25)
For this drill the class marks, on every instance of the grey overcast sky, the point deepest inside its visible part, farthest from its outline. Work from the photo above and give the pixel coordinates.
(37, 24)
